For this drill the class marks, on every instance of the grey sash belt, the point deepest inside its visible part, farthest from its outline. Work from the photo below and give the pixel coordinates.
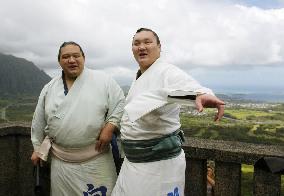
(166, 147)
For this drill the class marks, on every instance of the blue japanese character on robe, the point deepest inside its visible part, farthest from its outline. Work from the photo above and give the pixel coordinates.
(175, 193)
(100, 191)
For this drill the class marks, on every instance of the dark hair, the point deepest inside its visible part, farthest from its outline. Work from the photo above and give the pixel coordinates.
(69, 43)
(154, 33)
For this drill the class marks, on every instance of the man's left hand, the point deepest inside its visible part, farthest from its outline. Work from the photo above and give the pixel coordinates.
(210, 101)
(105, 137)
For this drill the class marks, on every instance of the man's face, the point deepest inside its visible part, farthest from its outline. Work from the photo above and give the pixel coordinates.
(72, 61)
(145, 49)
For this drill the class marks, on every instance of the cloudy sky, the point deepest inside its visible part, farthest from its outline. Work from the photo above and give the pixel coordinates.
(235, 45)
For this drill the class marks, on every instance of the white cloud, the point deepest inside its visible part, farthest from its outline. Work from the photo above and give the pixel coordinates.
(194, 33)
(233, 35)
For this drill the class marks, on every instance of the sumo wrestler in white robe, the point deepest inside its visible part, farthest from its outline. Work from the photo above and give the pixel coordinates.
(74, 121)
(149, 114)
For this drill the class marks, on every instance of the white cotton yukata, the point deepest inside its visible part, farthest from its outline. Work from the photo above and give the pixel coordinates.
(148, 114)
(74, 121)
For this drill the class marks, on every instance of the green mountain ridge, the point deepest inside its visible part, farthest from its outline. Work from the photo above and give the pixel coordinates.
(19, 76)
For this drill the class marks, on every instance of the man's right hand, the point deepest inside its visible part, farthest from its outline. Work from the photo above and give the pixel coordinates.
(35, 159)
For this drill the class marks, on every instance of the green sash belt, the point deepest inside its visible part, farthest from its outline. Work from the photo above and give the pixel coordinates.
(166, 147)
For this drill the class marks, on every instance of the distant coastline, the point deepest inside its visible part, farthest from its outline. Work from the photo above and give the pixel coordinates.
(265, 94)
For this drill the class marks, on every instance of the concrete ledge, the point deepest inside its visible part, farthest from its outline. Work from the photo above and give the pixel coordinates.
(227, 151)
(15, 129)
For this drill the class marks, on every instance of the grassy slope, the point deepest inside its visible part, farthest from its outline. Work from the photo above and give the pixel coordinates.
(254, 126)
(18, 109)
(247, 125)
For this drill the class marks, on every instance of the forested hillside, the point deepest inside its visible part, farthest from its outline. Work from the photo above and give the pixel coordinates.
(20, 77)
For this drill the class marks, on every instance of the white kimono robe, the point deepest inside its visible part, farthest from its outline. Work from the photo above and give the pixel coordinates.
(148, 114)
(74, 121)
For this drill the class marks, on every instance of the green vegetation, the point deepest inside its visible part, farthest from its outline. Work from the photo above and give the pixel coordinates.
(20, 112)
(247, 180)
(4, 103)
(17, 109)
(243, 114)
(263, 126)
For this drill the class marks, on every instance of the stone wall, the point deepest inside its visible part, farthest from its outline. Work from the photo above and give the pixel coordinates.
(16, 169)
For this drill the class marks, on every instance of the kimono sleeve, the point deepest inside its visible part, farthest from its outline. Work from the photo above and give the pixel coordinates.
(176, 79)
(39, 121)
(116, 101)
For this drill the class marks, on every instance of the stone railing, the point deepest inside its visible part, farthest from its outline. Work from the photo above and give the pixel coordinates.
(228, 157)
(16, 170)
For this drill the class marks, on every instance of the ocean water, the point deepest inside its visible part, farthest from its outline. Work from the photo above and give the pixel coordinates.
(265, 94)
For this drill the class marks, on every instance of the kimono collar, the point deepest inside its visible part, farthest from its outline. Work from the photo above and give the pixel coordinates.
(139, 73)
(64, 84)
